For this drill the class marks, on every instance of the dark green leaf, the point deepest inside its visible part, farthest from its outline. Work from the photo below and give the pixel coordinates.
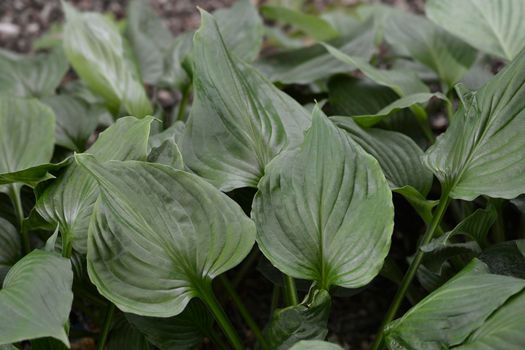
(124, 335)
(10, 247)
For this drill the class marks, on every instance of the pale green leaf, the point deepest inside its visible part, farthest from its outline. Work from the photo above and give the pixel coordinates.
(312, 25)
(239, 121)
(307, 320)
(427, 43)
(97, 52)
(32, 76)
(483, 150)
(153, 248)
(447, 316)
(398, 156)
(492, 26)
(36, 298)
(312, 210)
(68, 201)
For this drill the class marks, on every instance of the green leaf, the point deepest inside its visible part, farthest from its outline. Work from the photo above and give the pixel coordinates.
(483, 150)
(32, 76)
(184, 331)
(398, 156)
(36, 298)
(152, 249)
(75, 120)
(10, 247)
(68, 201)
(167, 153)
(34, 175)
(47, 344)
(308, 320)
(124, 335)
(427, 43)
(312, 210)
(403, 82)
(421, 205)
(492, 26)
(96, 51)
(408, 101)
(505, 258)
(242, 29)
(315, 345)
(239, 120)
(447, 316)
(173, 133)
(306, 65)
(27, 139)
(150, 40)
(314, 26)
(503, 329)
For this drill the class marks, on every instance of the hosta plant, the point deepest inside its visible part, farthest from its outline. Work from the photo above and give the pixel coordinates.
(308, 159)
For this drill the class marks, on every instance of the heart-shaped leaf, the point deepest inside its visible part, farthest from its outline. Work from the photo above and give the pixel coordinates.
(96, 51)
(492, 26)
(36, 298)
(483, 150)
(173, 221)
(312, 210)
(68, 201)
(239, 121)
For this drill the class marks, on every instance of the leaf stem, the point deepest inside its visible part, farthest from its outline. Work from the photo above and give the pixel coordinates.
(107, 326)
(290, 291)
(422, 119)
(412, 269)
(184, 102)
(243, 311)
(245, 268)
(14, 194)
(208, 297)
(276, 293)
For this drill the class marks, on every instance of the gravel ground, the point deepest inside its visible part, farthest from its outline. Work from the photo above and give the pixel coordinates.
(21, 21)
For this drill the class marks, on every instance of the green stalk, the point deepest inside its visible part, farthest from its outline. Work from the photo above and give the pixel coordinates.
(184, 102)
(422, 119)
(107, 326)
(276, 293)
(245, 268)
(499, 226)
(14, 194)
(208, 297)
(412, 269)
(243, 311)
(290, 291)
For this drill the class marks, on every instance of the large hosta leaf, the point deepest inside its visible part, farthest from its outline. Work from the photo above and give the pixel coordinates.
(493, 26)
(483, 150)
(126, 336)
(158, 236)
(10, 247)
(308, 320)
(427, 43)
(26, 138)
(313, 210)
(398, 156)
(447, 316)
(239, 121)
(68, 201)
(96, 50)
(36, 298)
(32, 76)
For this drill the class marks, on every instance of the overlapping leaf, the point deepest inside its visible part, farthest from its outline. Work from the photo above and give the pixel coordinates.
(312, 209)
(239, 120)
(68, 201)
(483, 150)
(158, 236)
(96, 51)
(10, 247)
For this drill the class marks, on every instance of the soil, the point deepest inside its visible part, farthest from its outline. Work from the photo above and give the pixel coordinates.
(354, 320)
